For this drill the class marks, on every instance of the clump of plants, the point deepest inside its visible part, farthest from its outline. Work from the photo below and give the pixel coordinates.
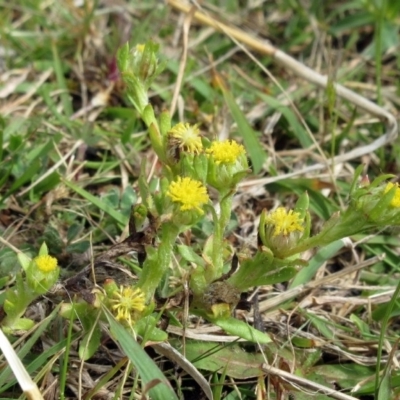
(197, 179)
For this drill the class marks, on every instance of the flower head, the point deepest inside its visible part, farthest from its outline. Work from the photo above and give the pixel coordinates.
(284, 222)
(226, 152)
(140, 48)
(379, 205)
(128, 303)
(227, 165)
(45, 263)
(280, 230)
(185, 137)
(395, 202)
(42, 272)
(189, 193)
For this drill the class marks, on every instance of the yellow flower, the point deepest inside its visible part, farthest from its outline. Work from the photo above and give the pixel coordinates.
(191, 194)
(128, 304)
(395, 202)
(140, 48)
(284, 222)
(227, 165)
(226, 152)
(45, 263)
(186, 137)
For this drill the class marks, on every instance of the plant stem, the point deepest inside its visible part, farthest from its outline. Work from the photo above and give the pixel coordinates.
(218, 240)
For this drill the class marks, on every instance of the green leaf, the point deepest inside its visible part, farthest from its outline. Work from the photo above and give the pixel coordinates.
(59, 69)
(321, 325)
(73, 231)
(264, 269)
(73, 311)
(280, 275)
(146, 327)
(190, 255)
(362, 326)
(4, 178)
(351, 22)
(79, 247)
(128, 199)
(256, 153)
(4, 280)
(43, 251)
(24, 260)
(385, 386)
(47, 184)
(389, 38)
(90, 343)
(52, 237)
(239, 328)
(165, 123)
(303, 342)
(23, 324)
(355, 182)
(231, 358)
(381, 310)
(346, 376)
(34, 167)
(323, 254)
(298, 129)
(123, 57)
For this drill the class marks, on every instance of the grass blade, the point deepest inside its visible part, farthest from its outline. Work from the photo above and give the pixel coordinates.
(147, 369)
(256, 153)
(120, 218)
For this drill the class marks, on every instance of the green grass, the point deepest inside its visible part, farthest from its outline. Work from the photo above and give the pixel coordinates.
(69, 173)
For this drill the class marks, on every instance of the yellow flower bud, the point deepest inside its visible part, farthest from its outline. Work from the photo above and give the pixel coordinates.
(227, 164)
(280, 230)
(395, 202)
(45, 263)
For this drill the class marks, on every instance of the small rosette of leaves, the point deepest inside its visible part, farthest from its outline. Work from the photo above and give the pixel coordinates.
(139, 67)
(40, 274)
